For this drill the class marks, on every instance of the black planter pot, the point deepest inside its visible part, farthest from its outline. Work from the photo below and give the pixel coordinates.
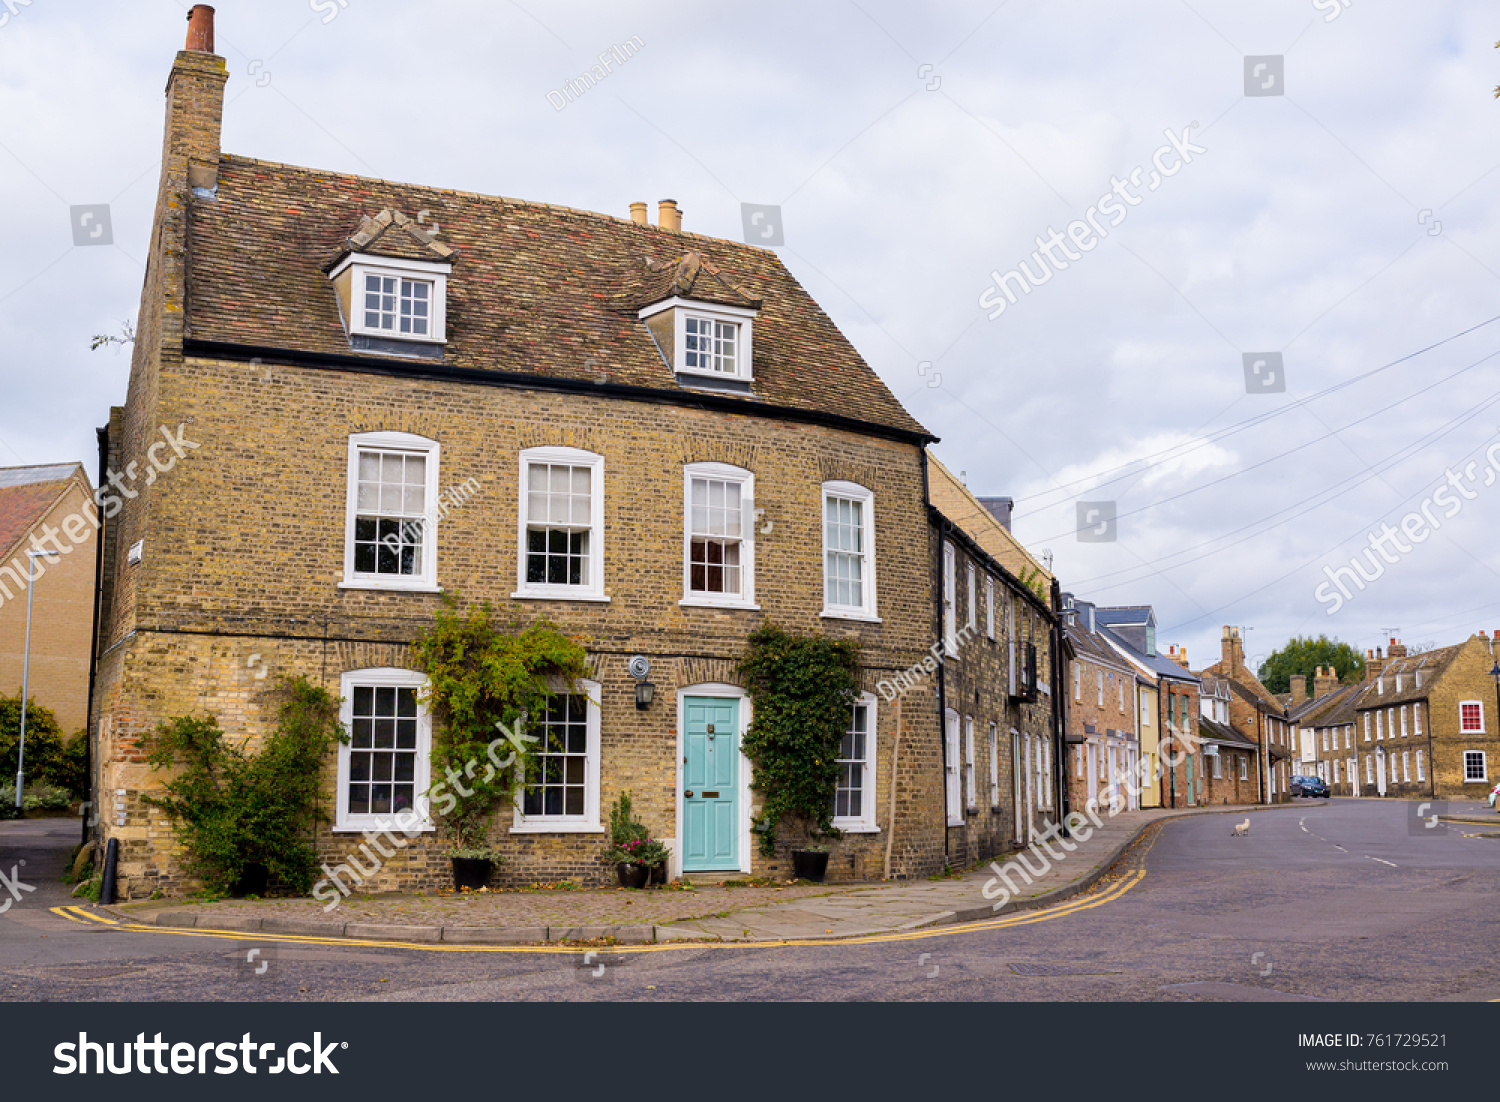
(658, 873)
(811, 865)
(471, 872)
(253, 880)
(632, 876)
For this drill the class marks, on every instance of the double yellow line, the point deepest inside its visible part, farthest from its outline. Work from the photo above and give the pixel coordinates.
(1020, 918)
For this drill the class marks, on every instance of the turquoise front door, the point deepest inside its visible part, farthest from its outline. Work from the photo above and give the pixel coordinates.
(710, 784)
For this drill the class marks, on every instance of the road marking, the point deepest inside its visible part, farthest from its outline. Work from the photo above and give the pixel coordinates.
(1383, 862)
(1024, 918)
(1340, 848)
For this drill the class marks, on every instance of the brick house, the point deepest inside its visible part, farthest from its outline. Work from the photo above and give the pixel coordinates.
(1230, 768)
(1420, 724)
(1258, 716)
(1102, 688)
(996, 690)
(49, 509)
(654, 439)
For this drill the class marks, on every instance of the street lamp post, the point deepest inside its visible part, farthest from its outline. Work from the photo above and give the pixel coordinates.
(31, 557)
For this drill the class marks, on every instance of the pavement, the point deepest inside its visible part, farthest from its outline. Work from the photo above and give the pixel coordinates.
(731, 915)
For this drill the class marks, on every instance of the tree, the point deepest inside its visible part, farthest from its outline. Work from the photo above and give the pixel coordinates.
(1304, 656)
(50, 757)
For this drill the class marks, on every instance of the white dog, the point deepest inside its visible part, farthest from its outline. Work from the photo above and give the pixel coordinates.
(1242, 828)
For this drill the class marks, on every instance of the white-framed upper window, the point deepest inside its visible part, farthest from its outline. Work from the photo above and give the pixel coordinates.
(1099, 672)
(994, 766)
(1379, 725)
(1367, 726)
(1471, 716)
(386, 297)
(390, 525)
(384, 769)
(1416, 720)
(709, 340)
(950, 739)
(1421, 776)
(718, 549)
(561, 793)
(1348, 737)
(1403, 720)
(1077, 680)
(1325, 738)
(848, 551)
(560, 517)
(854, 798)
(973, 597)
(1120, 689)
(971, 790)
(989, 605)
(1145, 708)
(1406, 765)
(1474, 766)
(950, 601)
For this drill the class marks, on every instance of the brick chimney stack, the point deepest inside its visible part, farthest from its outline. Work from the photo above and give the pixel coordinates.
(1179, 655)
(1397, 649)
(1299, 688)
(1325, 681)
(195, 105)
(1374, 663)
(1232, 649)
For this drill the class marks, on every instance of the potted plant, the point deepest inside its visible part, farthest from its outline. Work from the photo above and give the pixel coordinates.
(638, 858)
(810, 863)
(484, 680)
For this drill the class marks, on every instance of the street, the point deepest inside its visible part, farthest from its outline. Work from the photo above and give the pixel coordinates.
(1353, 900)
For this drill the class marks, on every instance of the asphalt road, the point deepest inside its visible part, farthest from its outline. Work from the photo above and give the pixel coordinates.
(1350, 900)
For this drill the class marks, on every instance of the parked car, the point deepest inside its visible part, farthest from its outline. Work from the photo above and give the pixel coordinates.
(1311, 787)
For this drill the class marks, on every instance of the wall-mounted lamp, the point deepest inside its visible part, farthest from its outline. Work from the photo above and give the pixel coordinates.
(640, 669)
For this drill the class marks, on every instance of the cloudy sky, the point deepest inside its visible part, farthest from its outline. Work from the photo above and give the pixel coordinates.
(1341, 218)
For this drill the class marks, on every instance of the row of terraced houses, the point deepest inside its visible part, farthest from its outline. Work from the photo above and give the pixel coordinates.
(658, 441)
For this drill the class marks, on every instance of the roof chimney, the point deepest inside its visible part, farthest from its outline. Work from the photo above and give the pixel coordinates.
(638, 214)
(668, 217)
(1374, 663)
(1299, 687)
(999, 508)
(1232, 651)
(200, 36)
(1325, 681)
(1398, 649)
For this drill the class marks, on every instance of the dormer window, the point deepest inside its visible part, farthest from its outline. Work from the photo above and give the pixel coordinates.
(391, 305)
(705, 344)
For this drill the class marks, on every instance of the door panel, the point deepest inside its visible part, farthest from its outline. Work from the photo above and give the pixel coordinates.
(710, 785)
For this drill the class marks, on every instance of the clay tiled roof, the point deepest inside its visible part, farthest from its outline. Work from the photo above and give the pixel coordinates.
(1214, 731)
(535, 289)
(1432, 665)
(26, 493)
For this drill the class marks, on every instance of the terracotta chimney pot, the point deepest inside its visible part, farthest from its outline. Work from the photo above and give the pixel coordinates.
(200, 33)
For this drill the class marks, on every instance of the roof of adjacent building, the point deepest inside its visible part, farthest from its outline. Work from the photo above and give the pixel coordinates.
(1211, 730)
(952, 498)
(535, 289)
(26, 495)
(1155, 663)
(1092, 645)
(1430, 664)
(1331, 709)
(1126, 614)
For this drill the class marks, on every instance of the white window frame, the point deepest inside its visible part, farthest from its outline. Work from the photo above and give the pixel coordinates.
(971, 788)
(950, 600)
(1421, 775)
(1120, 689)
(973, 595)
(1367, 726)
(951, 781)
(725, 473)
(1380, 725)
(1077, 681)
(381, 678)
(867, 608)
(864, 823)
(994, 766)
(1348, 737)
(1406, 766)
(1145, 707)
(1325, 739)
(1012, 674)
(1244, 766)
(989, 605)
(426, 580)
(433, 272)
(1369, 768)
(588, 822)
(741, 318)
(1403, 720)
(572, 457)
(1416, 719)
(1099, 672)
(1465, 729)
(1484, 770)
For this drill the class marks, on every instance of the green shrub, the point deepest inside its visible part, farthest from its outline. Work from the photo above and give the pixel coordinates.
(49, 756)
(37, 797)
(803, 688)
(231, 809)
